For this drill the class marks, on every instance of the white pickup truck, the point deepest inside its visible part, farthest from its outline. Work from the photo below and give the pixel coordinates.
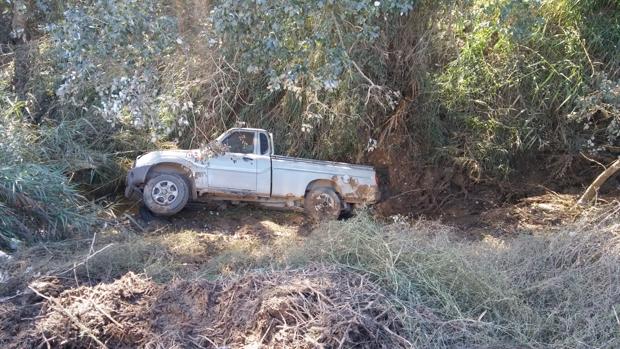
(247, 170)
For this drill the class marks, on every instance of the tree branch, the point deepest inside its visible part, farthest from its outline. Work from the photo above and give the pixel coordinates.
(593, 189)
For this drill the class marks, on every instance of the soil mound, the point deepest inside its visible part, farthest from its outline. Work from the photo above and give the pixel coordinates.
(316, 307)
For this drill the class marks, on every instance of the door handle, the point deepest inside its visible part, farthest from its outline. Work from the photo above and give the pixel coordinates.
(245, 158)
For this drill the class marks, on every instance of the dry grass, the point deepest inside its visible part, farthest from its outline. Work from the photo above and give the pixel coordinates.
(229, 244)
(554, 290)
(559, 290)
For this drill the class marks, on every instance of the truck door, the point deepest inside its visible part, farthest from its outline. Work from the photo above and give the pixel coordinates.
(235, 171)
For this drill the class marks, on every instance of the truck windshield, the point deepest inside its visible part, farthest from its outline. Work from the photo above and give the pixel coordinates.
(240, 142)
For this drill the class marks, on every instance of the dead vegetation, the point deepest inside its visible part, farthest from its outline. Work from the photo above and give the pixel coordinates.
(550, 212)
(315, 307)
(196, 243)
(354, 283)
(544, 212)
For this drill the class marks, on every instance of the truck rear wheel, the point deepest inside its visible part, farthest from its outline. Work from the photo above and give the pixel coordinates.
(322, 204)
(166, 194)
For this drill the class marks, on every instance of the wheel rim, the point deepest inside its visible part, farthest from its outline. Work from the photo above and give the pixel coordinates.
(324, 203)
(165, 193)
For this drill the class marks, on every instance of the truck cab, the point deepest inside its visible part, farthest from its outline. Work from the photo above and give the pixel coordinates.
(245, 168)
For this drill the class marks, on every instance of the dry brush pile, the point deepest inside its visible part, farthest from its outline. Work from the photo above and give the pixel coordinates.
(313, 307)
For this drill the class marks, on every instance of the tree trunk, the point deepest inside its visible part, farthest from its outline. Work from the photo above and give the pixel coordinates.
(593, 189)
(23, 55)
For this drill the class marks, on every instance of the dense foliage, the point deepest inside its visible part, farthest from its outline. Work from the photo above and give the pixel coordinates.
(106, 54)
(37, 200)
(479, 87)
(521, 68)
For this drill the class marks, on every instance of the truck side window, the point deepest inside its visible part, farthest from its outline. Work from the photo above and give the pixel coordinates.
(264, 144)
(240, 142)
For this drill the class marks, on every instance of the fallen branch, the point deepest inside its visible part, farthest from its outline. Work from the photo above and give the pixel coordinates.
(593, 189)
(132, 220)
(105, 313)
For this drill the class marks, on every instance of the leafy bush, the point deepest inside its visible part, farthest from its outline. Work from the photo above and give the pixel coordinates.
(107, 55)
(518, 70)
(301, 70)
(302, 47)
(599, 113)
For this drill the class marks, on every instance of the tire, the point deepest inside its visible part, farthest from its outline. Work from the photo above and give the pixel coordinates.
(322, 204)
(166, 194)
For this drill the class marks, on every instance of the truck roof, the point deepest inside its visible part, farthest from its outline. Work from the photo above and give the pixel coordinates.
(246, 129)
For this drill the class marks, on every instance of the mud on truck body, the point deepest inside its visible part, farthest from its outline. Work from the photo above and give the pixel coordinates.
(248, 170)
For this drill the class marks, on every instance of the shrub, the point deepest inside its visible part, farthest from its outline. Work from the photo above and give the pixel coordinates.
(517, 71)
(37, 200)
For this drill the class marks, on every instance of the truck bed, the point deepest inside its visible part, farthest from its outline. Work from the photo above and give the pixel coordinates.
(356, 183)
(344, 165)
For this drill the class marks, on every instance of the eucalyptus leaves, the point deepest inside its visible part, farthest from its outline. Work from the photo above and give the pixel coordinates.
(303, 46)
(111, 53)
(107, 54)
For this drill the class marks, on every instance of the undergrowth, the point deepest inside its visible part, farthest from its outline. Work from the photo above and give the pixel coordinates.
(50, 172)
(476, 84)
(558, 290)
(511, 74)
(37, 201)
(555, 289)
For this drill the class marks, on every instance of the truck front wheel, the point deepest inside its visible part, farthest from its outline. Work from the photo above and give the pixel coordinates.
(166, 194)
(322, 204)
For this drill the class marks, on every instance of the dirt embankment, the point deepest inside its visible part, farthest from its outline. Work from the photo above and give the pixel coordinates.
(411, 185)
(315, 307)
